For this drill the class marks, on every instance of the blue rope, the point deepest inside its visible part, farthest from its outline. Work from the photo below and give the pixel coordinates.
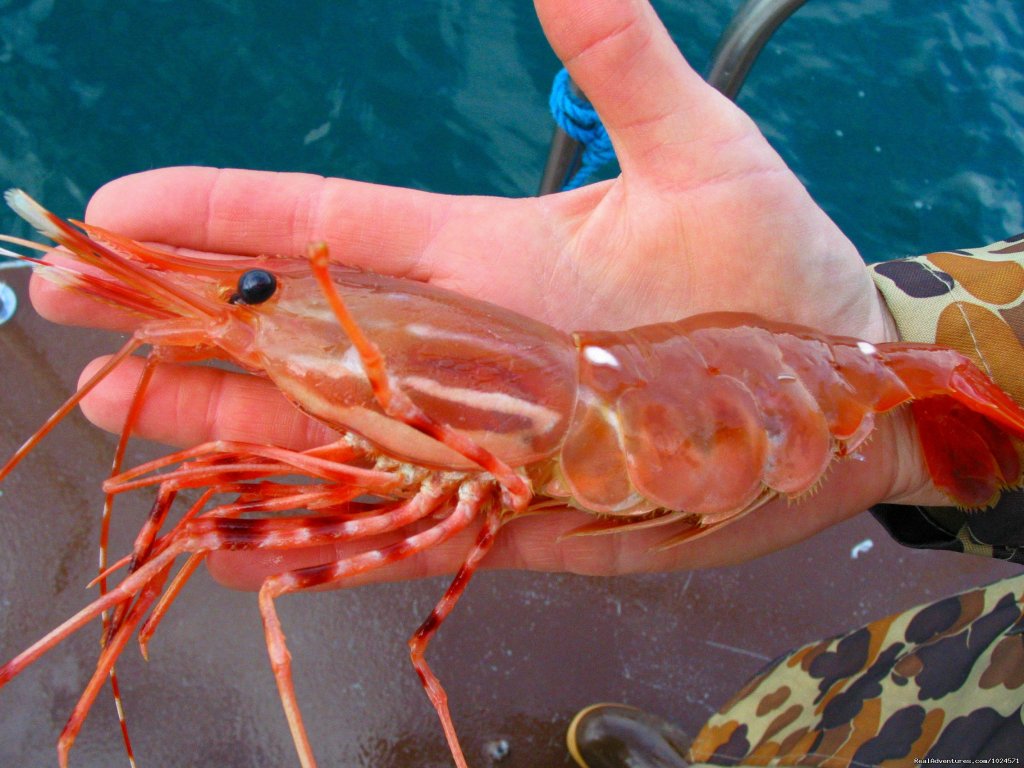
(579, 119)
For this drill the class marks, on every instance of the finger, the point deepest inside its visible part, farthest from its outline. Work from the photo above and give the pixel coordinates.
(650, 100)
(408, 233)
(253, 212)
(188, 405)
(241, 212)
(390, 230)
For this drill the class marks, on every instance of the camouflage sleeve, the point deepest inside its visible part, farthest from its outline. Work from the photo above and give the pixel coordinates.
(971, 300)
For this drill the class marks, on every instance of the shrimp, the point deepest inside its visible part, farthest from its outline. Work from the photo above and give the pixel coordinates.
(451, 411)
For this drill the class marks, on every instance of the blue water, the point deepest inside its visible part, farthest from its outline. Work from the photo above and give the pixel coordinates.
(905, 119)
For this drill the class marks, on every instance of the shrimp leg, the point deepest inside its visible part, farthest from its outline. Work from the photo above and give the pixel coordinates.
(472, 497)
(422, 636)
(112, 649)
(217, 529)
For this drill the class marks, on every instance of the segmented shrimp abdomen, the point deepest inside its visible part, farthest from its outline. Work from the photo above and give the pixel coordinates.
(704, 414)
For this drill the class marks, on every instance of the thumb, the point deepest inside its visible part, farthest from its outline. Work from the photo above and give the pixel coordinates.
(649, 98)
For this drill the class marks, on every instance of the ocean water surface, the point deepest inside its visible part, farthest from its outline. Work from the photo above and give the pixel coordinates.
(903, 118)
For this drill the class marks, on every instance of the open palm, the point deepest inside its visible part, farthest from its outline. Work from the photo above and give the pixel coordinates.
(704, 216)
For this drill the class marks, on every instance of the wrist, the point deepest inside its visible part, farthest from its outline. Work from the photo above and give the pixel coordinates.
(908, 480)
(889, 329)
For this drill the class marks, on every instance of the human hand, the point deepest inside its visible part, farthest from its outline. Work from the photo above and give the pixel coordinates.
(705, 216)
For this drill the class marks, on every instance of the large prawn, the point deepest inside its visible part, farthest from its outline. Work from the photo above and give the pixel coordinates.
(451, 410)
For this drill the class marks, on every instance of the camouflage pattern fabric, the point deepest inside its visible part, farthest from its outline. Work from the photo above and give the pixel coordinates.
(971, 300)
(943, 681)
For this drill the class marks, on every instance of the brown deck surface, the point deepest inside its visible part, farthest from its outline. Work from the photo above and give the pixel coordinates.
(521, 654)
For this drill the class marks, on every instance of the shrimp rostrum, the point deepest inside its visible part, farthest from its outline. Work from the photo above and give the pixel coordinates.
(451, 412)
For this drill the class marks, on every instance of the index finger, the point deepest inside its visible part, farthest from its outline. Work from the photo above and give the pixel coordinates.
(248, 213)
(403, 232)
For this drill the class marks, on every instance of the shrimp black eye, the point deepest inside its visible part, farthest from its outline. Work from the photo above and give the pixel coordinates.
(254, 287)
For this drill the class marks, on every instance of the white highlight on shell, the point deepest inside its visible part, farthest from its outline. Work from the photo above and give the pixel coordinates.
(352, 362)
(427, 331)
(312, 309)
(490, 341)
(867, 348)
(348, 365)
(601, 356)
(543, 418)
